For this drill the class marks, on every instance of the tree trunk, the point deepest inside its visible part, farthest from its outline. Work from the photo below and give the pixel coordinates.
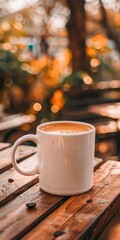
(77, 35)
(110, 32)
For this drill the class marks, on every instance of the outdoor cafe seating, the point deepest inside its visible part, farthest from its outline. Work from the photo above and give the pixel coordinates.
(59, 120)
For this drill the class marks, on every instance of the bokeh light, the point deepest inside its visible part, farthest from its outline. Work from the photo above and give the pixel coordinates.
(54, 108)
(37, 107)
(87, 79)
(94, 62)
(5, 25)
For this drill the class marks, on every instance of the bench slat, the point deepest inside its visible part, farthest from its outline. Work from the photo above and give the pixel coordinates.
(15, 121)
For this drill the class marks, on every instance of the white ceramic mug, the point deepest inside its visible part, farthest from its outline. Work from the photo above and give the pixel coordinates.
(65, 159)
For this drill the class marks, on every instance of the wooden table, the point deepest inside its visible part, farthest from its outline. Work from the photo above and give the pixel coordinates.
(13, 123)
(111, 111)
(106, 110)
(108, 85)
(54, 217)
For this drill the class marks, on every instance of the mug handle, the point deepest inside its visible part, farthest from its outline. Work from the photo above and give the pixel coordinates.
(28, 137)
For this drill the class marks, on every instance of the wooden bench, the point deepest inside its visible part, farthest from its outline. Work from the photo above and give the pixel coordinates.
(79, 99)
(77, 217)
(13, 126)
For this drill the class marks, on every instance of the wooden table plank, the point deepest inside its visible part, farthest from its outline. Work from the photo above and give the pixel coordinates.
(106, 110)
(84, 219)
(79, 213)
(9, 190)
(112, 229)
(97, 163)
(4, 145)
(22, 152)
(15, 121)
(11, 213)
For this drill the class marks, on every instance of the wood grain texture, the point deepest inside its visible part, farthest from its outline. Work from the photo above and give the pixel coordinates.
(16, 219)
(21, 153)
(4, 145)
(9, 190)
(84, 216)
(112, 231)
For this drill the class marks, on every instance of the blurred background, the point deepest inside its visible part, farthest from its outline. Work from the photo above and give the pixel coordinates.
(60, 60)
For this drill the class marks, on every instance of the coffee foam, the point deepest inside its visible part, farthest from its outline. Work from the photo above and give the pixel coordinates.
(66, 128)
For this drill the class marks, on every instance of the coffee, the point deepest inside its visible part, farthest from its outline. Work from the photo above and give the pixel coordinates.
(66, 128)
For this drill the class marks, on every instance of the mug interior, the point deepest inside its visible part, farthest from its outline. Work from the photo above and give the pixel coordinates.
(65, 127)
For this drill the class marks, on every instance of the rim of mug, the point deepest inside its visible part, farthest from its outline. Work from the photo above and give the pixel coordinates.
(65, 121)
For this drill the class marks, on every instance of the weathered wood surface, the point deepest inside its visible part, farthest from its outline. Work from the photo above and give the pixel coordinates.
(70, 217)
(9, 190)
(112, 231)
(14, 196)
(16, 216)
(4, 145)
(15, 121)
(21, 153)
(84, 215)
